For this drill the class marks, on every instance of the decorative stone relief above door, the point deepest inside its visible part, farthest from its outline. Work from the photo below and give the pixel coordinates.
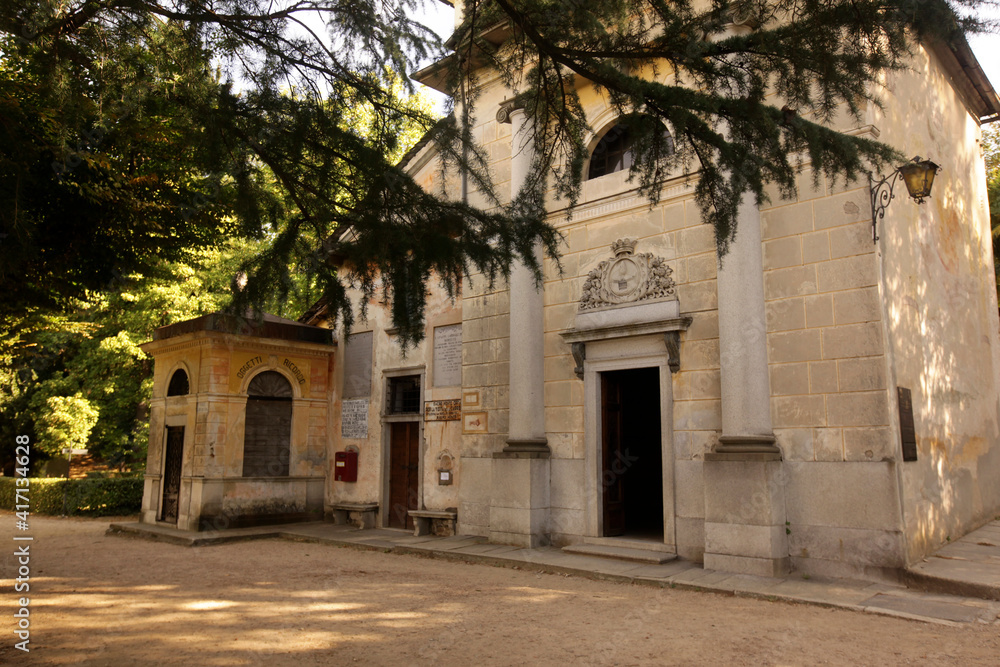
(627, 278)
(628, 295)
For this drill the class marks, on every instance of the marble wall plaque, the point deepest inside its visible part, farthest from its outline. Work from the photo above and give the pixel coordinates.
(354, 419)
(448, 356)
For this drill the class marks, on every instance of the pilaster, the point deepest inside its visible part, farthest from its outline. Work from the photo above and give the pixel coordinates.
(744, 484)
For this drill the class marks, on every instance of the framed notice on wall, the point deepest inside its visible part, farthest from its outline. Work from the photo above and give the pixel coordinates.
(443, 411)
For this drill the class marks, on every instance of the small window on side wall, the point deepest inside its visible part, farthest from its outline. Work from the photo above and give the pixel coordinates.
(178, 385)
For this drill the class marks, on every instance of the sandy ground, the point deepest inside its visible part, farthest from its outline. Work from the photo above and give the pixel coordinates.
(99, 600)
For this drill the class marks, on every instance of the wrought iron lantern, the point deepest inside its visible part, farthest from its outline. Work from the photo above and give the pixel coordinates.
(918, 176)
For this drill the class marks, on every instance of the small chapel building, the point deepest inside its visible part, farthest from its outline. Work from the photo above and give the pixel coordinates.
(827, 402)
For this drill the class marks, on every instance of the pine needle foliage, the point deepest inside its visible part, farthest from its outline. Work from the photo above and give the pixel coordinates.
(136, 131)
(746, 88)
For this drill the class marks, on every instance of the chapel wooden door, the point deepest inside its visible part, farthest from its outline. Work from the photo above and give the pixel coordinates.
(404, 470)
(612, 475)
(173, 462)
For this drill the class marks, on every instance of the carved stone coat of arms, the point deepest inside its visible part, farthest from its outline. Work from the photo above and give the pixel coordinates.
(627, 278)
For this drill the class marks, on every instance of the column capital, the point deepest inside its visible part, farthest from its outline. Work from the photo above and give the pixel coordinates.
(508, 107)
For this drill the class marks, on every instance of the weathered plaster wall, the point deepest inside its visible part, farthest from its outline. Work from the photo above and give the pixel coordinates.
(438, 438)
(940, 301)
(213, 489)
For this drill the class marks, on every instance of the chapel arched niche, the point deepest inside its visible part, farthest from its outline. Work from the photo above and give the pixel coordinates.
(268, 426)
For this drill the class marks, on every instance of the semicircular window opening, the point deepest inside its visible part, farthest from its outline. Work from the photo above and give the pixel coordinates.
(616, 149)
(268, 426)
(612, 153)
(178, 385)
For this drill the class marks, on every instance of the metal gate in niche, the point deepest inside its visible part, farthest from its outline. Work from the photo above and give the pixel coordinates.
(172, 466)
(268, 426)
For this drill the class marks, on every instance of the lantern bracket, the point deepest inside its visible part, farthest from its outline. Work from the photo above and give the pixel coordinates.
(882, 191)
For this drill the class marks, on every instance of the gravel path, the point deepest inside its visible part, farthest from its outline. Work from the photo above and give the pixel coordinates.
(99, 600)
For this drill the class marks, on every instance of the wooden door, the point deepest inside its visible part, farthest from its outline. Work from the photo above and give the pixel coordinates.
(612, 477)
(173, 462)
(404, 470)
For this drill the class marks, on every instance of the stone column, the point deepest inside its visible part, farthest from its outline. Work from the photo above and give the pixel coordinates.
(519, 504)
(744, 484)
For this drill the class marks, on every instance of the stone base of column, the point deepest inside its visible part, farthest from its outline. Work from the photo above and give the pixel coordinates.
(747, 444)
(519, 506)
(537, 447)
(745, 528)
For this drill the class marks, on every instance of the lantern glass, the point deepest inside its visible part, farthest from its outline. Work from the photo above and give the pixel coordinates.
(919, 177)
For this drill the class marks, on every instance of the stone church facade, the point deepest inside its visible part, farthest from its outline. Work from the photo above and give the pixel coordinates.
(824, 402)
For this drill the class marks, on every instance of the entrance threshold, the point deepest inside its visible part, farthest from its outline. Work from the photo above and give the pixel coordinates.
(617, 549)
(629, 542)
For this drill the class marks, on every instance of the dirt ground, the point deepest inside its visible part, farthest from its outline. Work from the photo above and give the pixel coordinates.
(99, 600)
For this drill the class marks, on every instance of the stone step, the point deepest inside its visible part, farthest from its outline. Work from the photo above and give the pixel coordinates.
(621, 553)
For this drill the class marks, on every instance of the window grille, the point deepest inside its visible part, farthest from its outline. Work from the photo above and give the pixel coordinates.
(404, 395)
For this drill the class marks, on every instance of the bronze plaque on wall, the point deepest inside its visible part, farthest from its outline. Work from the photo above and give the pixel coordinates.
(443, 411)
(907, 431)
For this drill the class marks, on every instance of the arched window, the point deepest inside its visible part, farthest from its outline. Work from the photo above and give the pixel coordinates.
(616, 150)
(178, 385)
(268, 426)
(612, 153)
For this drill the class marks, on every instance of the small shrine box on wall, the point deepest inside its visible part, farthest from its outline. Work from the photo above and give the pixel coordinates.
(345, 466)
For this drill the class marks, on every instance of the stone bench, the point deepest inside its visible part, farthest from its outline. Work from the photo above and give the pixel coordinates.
(434, 522)
(361, 515)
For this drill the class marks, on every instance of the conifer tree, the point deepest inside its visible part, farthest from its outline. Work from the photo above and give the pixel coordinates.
(141, 128)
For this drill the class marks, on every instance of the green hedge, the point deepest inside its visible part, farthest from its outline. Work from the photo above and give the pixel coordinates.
(94, 496)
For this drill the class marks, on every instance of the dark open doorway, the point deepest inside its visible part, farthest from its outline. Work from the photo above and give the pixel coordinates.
(631, 454)
(172, 465)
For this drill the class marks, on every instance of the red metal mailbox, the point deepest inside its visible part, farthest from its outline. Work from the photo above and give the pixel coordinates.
(345, 466)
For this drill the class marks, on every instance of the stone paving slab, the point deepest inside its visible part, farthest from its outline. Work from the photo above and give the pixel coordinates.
(917, 607)
(834, 594)
(445, 545)
(967, 566)
(663, 571)
(486, 548)
(881, 598)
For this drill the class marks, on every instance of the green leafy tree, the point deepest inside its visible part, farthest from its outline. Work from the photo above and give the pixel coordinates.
(64, 421)
(80, 375)
(76, 373)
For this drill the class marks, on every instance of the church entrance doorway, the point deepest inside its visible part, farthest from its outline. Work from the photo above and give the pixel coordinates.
(631, 454)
